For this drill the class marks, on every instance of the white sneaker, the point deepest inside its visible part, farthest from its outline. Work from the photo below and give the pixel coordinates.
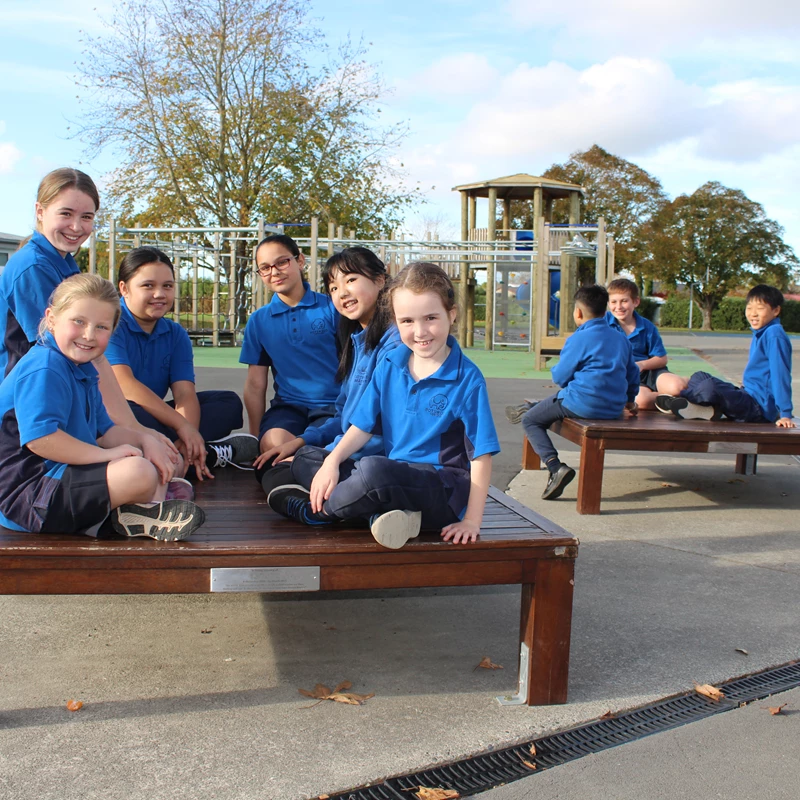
(239, 450)
(394, 528)
(169, 521)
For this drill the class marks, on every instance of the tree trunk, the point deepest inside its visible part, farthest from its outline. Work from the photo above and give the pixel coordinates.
(707, 310)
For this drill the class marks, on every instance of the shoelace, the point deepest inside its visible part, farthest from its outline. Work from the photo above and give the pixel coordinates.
(224, 454)
(295, 508)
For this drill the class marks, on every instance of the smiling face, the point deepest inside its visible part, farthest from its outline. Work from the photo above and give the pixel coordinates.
(424, 324)
(622, 306)
(281, 271)
(149, 294)
(355, 296)
(759, 313)
(83, 329)
(67, 221)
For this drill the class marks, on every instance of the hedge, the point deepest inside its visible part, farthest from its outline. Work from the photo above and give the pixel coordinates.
(727, 316)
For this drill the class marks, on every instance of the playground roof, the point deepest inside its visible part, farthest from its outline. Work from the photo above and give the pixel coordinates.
(519, 186)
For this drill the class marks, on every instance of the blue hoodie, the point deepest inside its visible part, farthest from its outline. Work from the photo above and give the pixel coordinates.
(768, 374)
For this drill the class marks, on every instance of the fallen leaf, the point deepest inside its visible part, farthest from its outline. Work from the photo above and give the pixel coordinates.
(742, 651)
(424, 793)
(74, 705)
(709, 691)
(323, 797)
(528, 764)
(206, 630)
(670, 485)
(486, 663)
(338, 695)
(532, 749)
(736, 480)
(775, 710)
(608, 715)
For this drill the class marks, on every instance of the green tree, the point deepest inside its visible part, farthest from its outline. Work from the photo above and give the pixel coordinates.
(717, 240)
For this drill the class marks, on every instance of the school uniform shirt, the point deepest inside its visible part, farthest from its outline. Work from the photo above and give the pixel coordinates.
(26, 284)
(645, 340)
(331, 431)
(768, 375)
(443, 420)
(299, 344)
(44, 393)
(156, 359)
(597, 371)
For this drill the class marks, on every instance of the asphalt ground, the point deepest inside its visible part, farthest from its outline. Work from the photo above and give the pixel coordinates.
(196, 696)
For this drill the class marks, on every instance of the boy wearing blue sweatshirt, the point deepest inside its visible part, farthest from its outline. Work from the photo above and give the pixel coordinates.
(599, 378)
(766, 395)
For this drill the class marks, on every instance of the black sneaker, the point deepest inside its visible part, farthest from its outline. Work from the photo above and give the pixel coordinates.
(239, 450)
(292, 500)
(168, 521)
(514, 414)
(394, 528)
(683, 409)
(557, 482)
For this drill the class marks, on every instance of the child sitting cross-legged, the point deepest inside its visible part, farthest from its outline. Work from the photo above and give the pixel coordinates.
(599, 378)
(766, 394)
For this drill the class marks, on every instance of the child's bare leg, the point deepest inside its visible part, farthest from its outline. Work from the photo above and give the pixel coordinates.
(133, 480)
(646, 398)
(275, 437)
(670, 383)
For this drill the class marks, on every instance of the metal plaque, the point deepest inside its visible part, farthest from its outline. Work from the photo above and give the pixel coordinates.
(265, 579)
(733, 447)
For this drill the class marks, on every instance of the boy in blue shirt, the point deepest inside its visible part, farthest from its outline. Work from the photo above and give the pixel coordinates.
(295, 336)
(766, 395)
(649, 352)
(599, 378)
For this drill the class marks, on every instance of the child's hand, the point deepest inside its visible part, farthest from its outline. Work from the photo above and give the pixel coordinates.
(280, 452)
(158, 455)
(193, 444)
(786, 422)
(122, 451)
(323, 484)
(631, 409)
(461, 532)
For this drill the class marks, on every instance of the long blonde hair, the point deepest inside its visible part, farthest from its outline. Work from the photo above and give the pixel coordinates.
(78, 287)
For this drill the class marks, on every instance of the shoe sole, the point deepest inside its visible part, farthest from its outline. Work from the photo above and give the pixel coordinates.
(514, 414)
(183, 518)
(558, 488)
(695, 411)
(394, 528)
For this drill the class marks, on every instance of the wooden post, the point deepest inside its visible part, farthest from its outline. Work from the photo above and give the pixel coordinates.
(539, 296)
(313, 256)
(93, 253)
(137, 240)
(569, 273)
(261, 289)
(491, 236)
(176, 303)
(473, 209)
(506, 218)
(215, 294)
(340, 232)
(112, 251)
(195, 276)
(610, 262)
(463, 275)
(600, 266)
(351, 234)
(232, 281)
(331, 237)
(538, 205)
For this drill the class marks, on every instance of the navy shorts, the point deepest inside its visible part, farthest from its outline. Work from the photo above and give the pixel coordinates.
(294, 419)
(80, 503)
(648, 378)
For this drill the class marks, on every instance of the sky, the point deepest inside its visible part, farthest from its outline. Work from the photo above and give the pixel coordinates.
(690, 90)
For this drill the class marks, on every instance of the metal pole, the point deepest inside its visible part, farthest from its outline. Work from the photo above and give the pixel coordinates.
(691, 303)
(112, 246)
(215, 295)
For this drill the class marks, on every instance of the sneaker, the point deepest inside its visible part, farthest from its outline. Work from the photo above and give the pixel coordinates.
(514, 414)
(239, 450)
(557, 482)
(292, 500)
(168, 521)
(394, 528)
(683, 409)
(179, 489)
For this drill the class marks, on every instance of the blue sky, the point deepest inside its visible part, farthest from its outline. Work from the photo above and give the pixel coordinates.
(692, 90)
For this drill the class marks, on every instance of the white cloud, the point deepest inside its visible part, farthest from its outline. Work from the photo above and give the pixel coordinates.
(452, 76)
(10, 156)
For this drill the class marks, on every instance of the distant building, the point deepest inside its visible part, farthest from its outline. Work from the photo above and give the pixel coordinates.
(9, 243)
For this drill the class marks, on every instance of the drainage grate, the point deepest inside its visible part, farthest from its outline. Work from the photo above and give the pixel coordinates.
(481, 773)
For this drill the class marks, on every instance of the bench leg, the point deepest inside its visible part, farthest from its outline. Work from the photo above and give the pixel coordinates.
(590, 477)
(746, 464)
(529, 458)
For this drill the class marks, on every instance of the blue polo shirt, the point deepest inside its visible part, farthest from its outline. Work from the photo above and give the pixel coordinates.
(299, 344)
(44, 393)
(645, 339)
(768, 375)
(157, 359)
(331, 431)
(597, 370)
(26, 284)
(443, 420)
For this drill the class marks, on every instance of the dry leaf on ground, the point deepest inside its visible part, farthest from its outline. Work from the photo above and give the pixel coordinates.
(670, 485)
(528, 764)
(709, 691)
(338, 695)
(608, 715)
(424, 793)
(486, 663)
(775, 710)
(74, 705)
(742, 651)
(532, 749)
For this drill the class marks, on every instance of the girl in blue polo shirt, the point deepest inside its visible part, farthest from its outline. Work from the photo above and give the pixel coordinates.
(356, 280)
(64, 466)
(152, 355)
(294, 336)
(430, 403)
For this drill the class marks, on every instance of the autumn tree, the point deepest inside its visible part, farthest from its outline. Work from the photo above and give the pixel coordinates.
(716, 240)
(218, 117)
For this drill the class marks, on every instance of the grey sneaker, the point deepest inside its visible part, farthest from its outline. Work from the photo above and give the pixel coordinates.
(239, 450)
(394, 528)
(514, 414)
(557, 482)
(683, 409)
(169, 521)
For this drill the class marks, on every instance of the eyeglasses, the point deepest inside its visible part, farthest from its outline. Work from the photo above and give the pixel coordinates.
(281, 265)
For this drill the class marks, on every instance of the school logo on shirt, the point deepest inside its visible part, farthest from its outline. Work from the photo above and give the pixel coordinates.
(437, 405)
(361, 374)
(318, 326)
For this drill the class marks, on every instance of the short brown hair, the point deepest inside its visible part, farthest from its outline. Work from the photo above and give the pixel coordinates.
(624, 286)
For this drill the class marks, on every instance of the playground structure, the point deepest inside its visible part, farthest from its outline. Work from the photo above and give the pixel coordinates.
(529, 288)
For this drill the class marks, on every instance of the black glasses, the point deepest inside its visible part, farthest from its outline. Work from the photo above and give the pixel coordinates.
(281, 265)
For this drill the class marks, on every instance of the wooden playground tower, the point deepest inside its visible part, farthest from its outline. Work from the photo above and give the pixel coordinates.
(559, 254)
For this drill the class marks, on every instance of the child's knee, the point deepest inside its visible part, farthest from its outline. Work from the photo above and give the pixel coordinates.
(136, 476)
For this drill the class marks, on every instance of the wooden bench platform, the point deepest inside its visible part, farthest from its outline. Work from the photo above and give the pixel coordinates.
(652, 431)
(245, 546)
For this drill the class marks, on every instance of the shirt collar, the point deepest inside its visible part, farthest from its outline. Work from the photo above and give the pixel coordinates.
(592, 323)
(161, 326)
(86, 373)
(776, 321)
(277, 306)
(638, 321)
(449, 371)
(64, 264)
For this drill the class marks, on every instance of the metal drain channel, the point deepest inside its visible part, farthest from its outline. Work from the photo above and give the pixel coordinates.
(481, 773)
